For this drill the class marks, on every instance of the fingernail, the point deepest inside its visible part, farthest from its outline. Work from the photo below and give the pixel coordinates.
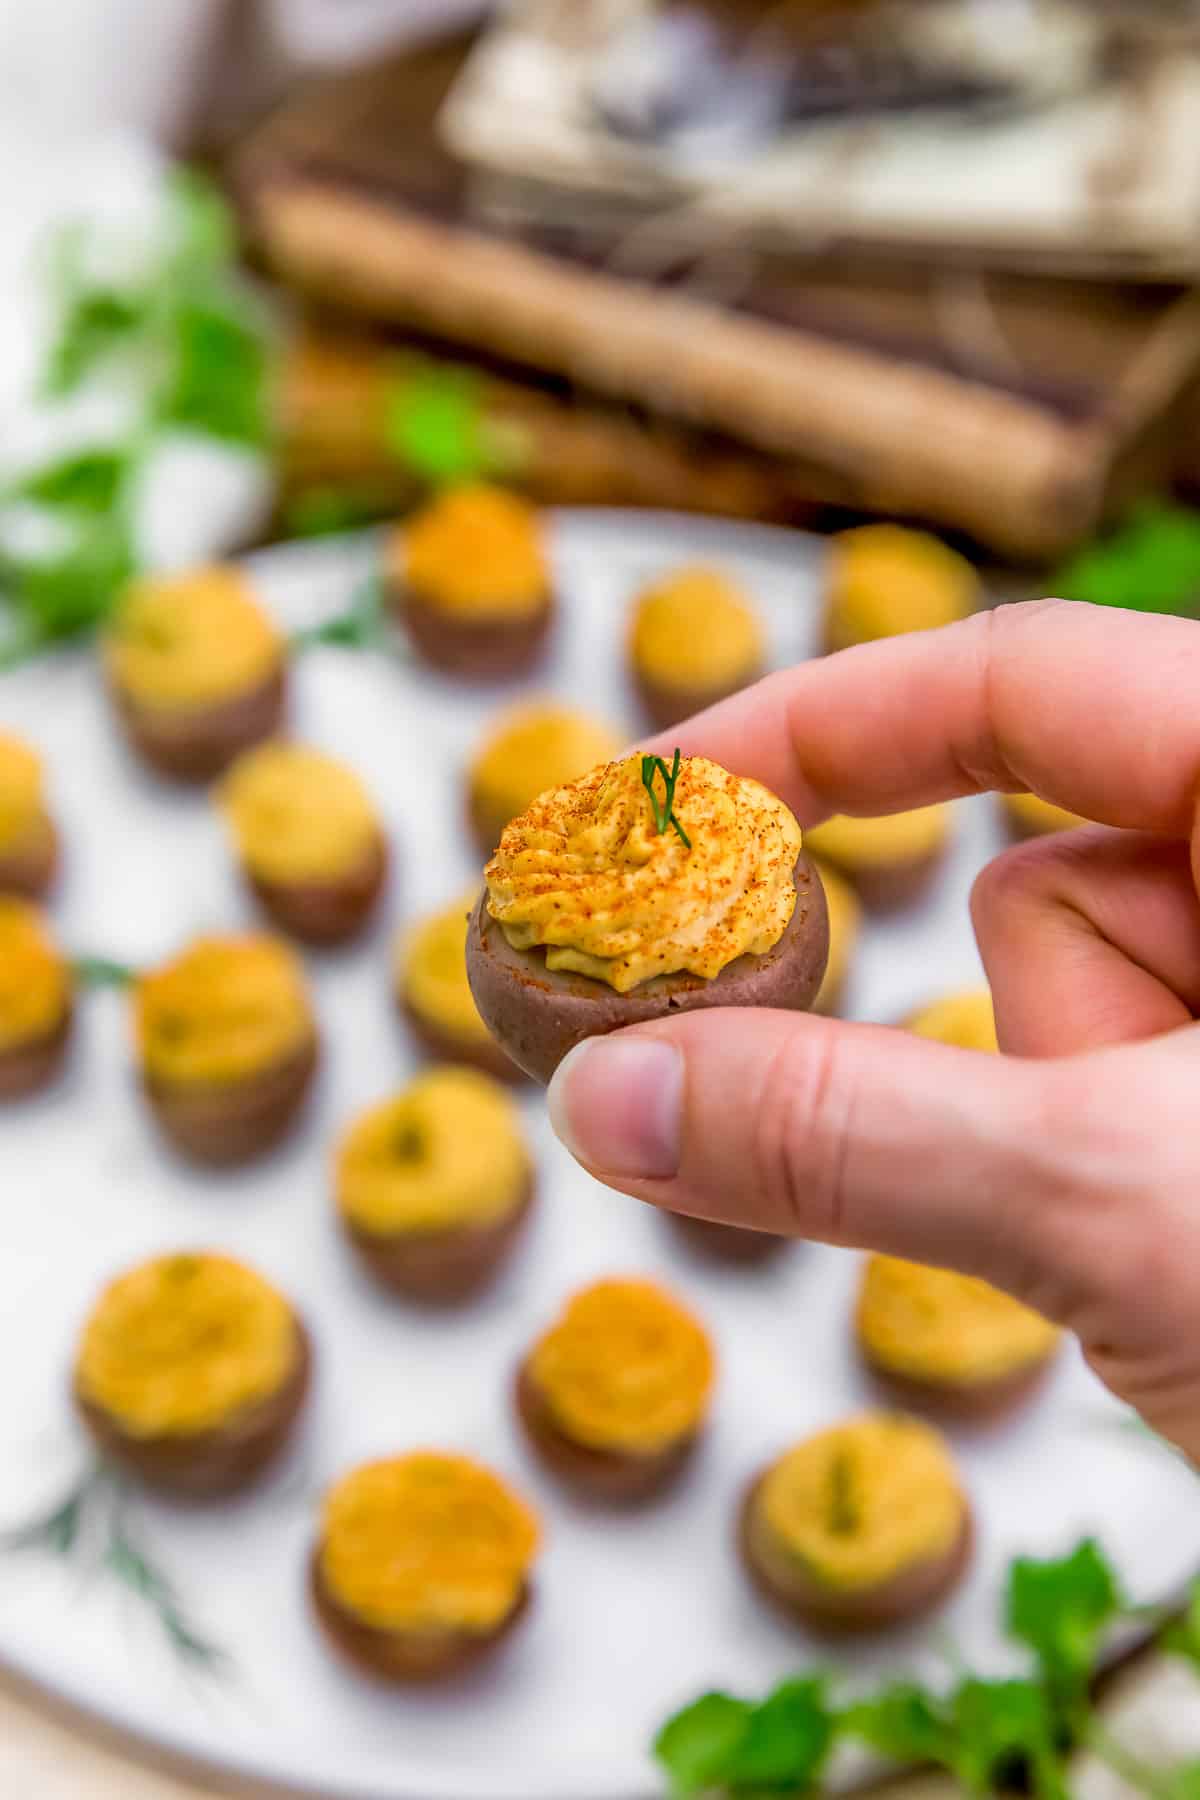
(617, 1102)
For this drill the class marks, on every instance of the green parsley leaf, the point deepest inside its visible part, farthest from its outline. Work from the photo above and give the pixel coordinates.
(1183, 1637)
(89, 481)
(1061, 1609)
(1005, 1737)
(786, 1742)
(326, 511)
(219, 374)
(94, 324)
(60, 596)
(905, 1724)
(360, 627)
(203, 239)
(101, 972)
(1150, 564)
(434, 425)
(698, 1747)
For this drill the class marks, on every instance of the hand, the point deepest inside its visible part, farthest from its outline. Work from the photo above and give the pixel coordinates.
(1067, 1170)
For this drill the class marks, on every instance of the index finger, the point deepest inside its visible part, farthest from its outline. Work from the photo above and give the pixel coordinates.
(1095, 709)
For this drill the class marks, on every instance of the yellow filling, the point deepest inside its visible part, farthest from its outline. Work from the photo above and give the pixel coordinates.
(695, 630)
(884, 580)
(446, 1152)
(903, 837)
(966, 1020)
(191, 640)
(625, 1368)
(1036, 817)
(475, 552)
(535, 748)
(35, 981)
(431, 974)
(427, 1543)
(21, 805)
(585, 873)
(183, 1344)
(934, 1325)
(224, 1010)
(298, 815)
(863, 1501)
(845, 924)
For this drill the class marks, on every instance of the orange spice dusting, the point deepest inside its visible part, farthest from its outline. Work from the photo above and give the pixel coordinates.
(476, 552)
(427, 1542)
(585, 873)
(625, 1368)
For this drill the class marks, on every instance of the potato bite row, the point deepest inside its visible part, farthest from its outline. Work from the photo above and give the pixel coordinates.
(192, 1371)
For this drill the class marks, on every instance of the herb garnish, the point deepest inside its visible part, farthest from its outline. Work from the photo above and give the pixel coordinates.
(992, 1736)
(101, 972)
(92, 1522)
(360, 627)
(664, 810)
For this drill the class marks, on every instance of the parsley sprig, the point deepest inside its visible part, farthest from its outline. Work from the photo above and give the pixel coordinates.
(664, 809)
(192, 345)
(1151, 563)
(992, 1736)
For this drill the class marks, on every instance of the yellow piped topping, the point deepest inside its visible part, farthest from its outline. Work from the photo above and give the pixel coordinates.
(967, 1020)
(446, 1152)
(885, 580)
(475, 552)
(1036, 817)
(431, 974)
(625, 1368)
(298, 815)
(902, 837)
(532, 749)
(185, 1343)
(695, 629)
(934, 1325)
(224, 1010)
(191, 640)
(585, 872)
(35, 980)
(21, 804)
(427, 1543)
(863, 1501)
(845, 925)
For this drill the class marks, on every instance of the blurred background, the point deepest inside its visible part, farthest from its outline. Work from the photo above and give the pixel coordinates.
(807, 261)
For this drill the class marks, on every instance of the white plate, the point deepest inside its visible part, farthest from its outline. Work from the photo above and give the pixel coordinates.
(634, 1614)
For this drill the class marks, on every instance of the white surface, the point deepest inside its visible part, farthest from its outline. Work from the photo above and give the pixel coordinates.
(634, 1613)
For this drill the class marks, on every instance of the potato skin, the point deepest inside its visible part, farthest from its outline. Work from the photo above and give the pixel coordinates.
(494, 650)
(27, 1068)
(442, 1268)
(31, 869)
(325, 913)
(611, 1476)
(444, 1046)
(667, 706)
(897, 1601)
(196, 744)
(402, 1658)
(965, 1403)
(234, 1122)
(738, 1244)
(210, 1465)
(538, 1015)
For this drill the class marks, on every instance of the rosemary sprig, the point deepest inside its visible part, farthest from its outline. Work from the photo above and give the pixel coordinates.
(92, 1522)
(360, 627)
(102, 972)
(664, 810)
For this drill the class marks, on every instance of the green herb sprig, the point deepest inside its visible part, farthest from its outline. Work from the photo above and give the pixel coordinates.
(195, 345)
(664, 809)
(1151, 563)
(992, 1736)
(92, 1524)
(102, 972)
(361, 627)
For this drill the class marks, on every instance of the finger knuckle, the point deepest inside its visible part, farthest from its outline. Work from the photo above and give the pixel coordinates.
(803, 1135)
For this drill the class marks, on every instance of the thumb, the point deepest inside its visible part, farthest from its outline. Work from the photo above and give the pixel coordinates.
(849, 1134)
